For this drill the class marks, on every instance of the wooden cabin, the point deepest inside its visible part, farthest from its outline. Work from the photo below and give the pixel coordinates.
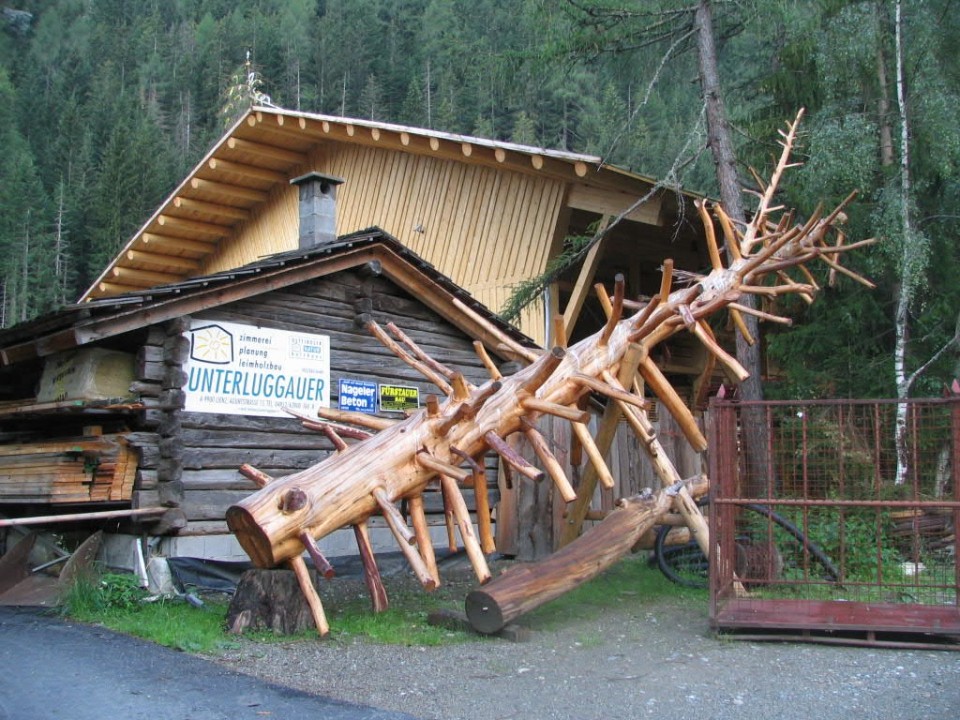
(487, 214)
(265, 238)
(149, 402)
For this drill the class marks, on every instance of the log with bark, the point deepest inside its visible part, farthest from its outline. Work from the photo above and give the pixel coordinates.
(525, 587)
(387, 462)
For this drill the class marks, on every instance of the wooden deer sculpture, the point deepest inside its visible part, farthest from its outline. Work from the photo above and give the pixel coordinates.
(445, 441)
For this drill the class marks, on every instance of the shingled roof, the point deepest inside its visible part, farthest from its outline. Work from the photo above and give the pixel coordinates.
(98, 319)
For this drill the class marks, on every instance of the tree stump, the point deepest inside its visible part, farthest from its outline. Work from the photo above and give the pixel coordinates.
(270, 600)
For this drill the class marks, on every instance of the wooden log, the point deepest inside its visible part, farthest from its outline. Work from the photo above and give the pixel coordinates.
(486, 360)
(393, 517)
(550, 462)
(599, 465)
(443, 468)
(419, 352)
(299, 567)
(426, 370)
(320, 562)
(371, 573)
(546, 407)
(422, 532)
(481, 502)
(81, 516)
(462, 516)
(405, 538)
(512, 457)
(512, 594)
(356, 418)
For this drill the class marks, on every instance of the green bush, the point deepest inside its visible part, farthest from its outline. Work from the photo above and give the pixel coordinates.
(857, 540)
(111, 592)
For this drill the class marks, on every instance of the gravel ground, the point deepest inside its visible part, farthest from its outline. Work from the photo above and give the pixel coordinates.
(638, 659)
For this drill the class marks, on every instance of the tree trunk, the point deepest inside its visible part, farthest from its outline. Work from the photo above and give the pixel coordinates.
(911, 266)
(725, 161)
(269, 600)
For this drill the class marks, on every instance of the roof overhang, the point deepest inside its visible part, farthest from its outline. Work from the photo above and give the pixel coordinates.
(268, 146)
(99, 320)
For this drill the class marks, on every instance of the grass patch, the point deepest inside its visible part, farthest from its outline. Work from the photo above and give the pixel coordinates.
(405, 623)
(116, 602)
(630, 581)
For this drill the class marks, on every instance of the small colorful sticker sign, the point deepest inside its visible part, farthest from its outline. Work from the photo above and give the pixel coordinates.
(358, 396)
(399, 398)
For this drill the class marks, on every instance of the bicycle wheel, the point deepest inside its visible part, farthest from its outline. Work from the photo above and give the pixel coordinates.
(683, 564)
(686, 564)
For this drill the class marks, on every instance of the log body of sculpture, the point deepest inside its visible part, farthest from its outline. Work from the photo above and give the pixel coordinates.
(276, 524)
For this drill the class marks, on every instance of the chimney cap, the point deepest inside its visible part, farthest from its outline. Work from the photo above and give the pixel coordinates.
(314, 175)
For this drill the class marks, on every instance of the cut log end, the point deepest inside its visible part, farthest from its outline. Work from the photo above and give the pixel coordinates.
(484, 613)
(251, 536)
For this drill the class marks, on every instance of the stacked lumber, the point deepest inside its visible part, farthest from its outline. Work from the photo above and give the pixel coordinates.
(922, 529)
(67, 470)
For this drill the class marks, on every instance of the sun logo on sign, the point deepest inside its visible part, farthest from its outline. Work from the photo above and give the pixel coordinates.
(211, 344)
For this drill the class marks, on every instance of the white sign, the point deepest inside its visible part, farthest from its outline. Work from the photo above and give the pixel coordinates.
(244, 370)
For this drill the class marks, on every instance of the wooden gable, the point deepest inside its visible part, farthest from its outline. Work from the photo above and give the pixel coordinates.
(487, 214)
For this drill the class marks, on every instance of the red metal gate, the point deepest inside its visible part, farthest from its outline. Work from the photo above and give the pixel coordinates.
(822, 532)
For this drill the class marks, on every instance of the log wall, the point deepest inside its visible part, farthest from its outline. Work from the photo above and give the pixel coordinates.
(532, 514)
(204, 451)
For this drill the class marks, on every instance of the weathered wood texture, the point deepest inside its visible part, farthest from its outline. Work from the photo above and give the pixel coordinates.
(524, 588)
(270, 600)
(209, 448)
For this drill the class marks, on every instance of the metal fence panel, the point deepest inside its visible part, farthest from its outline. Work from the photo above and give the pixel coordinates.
(832, 531)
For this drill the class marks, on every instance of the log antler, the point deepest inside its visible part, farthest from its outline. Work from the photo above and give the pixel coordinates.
(433, 444)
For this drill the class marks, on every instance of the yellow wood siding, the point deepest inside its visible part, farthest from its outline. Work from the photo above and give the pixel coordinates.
(486, 228)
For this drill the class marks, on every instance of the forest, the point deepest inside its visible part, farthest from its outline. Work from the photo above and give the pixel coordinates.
(105, 105)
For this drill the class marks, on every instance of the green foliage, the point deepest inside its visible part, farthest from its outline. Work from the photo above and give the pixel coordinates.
(112, 593)
(528, 292)
(104, 106)
(855, 539)
(177, 625)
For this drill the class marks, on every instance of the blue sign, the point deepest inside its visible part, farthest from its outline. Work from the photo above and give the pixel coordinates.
(358, 396)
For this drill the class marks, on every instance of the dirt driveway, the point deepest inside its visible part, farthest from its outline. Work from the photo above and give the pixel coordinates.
(632, 660)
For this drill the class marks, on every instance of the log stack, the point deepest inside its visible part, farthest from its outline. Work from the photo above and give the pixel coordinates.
(380, 463)
(99, 468)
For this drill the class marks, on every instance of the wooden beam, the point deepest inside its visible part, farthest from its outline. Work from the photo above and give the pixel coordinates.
(606, 431)
(605, 201)
(208, 208)
(584, 280)
(109, 288)
(162, 261)
(250, 171)
(77, 517)
(173, 223)
(263, 150)
(132, 276)
(168, 242)
(299, 567)
(450, 147)
(220, 189)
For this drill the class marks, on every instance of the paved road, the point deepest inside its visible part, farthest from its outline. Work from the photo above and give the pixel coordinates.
(53, 670)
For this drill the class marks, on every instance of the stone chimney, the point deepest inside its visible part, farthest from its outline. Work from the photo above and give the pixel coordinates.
(318, 208)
